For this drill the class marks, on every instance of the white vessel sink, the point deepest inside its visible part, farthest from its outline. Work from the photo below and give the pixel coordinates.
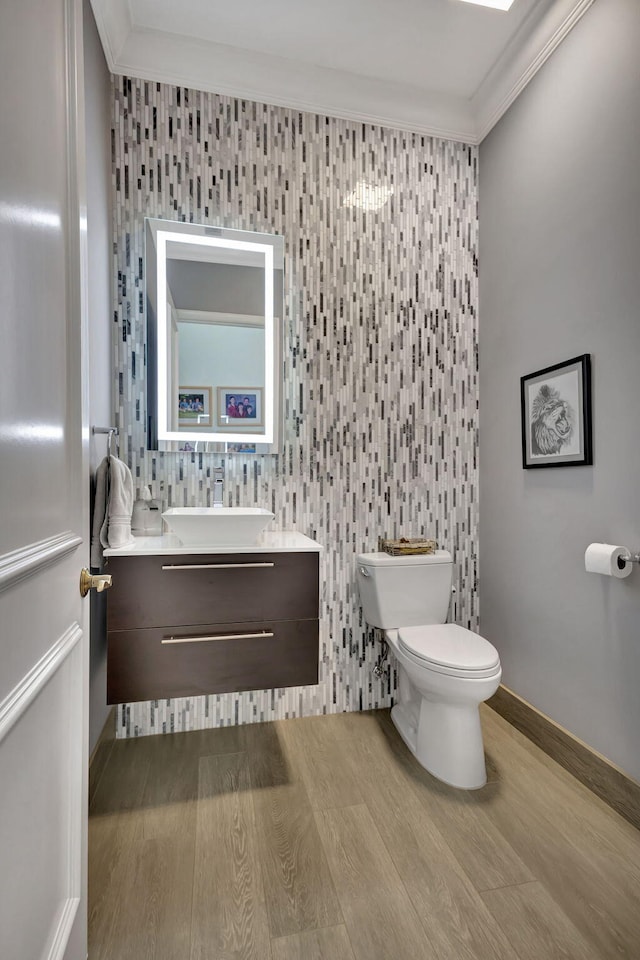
(218, 526)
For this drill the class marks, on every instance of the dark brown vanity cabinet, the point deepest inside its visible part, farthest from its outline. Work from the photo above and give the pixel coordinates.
(190, 624)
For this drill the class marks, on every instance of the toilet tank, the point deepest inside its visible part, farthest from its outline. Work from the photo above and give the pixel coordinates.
(404, 591)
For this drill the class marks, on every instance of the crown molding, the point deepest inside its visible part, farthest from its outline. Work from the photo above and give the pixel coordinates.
(134, 50)
(520, 61)
(232, 71)
(115, 25)
(213, 318)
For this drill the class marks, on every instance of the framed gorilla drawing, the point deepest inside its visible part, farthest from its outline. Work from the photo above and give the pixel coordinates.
(556, 415)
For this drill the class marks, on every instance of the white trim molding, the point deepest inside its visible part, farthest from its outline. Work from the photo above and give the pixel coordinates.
(115, 24)
(25, 692)
(264, 78)
(521, 61)
(220, 319)
(24, 562)
(11, 710)
(136, 50)
(63, 930)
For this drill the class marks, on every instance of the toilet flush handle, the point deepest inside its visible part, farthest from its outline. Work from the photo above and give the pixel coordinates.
(364, 572)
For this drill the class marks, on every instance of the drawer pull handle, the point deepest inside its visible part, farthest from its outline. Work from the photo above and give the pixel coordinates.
(220, 636)
(214, 566)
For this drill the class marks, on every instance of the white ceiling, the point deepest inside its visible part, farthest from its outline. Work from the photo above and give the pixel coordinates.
(439, 67)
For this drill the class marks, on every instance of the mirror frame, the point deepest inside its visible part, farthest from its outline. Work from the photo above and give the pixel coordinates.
(158, 233)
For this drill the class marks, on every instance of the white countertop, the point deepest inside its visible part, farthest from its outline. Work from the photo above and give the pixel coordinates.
(285, 541)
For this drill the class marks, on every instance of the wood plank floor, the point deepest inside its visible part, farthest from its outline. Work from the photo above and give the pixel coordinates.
(323, 839)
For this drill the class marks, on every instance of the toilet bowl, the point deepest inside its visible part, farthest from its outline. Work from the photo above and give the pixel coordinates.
(438, 713)
(445, 670)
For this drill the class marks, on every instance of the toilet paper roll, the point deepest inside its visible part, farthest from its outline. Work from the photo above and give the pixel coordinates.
(606, 558)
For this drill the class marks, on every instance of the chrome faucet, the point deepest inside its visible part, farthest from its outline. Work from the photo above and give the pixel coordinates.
(218, 486)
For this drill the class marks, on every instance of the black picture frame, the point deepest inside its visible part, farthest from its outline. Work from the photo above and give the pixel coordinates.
(556, 415)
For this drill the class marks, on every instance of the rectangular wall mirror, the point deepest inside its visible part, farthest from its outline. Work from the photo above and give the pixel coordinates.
(214, 338)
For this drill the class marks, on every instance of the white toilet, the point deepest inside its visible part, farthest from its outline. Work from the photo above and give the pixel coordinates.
(445, 671)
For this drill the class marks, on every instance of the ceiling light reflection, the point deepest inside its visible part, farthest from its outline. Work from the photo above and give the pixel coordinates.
(368, 196)
(494, 4)
(30, 432)
(25, 216)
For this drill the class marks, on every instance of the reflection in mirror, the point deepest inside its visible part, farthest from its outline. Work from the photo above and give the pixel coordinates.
(214, 313)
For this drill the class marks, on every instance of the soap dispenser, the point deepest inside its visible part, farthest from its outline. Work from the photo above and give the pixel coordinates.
(140, 516)
(153, 519)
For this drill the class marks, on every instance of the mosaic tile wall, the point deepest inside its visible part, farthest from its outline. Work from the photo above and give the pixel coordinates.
(380, 356)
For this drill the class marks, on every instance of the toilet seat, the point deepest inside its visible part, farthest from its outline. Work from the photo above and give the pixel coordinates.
(450, 649)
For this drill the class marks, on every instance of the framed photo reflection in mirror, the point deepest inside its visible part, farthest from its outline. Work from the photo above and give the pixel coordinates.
(239, 407)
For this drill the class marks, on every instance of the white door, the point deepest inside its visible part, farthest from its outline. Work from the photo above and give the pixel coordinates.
(43, 495)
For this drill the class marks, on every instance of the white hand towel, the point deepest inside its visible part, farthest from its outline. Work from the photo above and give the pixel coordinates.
(120, 503)
(99, 525)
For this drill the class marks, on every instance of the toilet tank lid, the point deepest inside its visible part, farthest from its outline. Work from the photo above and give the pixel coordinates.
(385, 560)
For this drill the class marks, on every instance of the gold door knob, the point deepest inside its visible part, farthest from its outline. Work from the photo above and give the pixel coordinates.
(99, 582)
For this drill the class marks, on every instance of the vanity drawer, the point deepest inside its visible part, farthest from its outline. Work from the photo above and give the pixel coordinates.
(154, 591)
(159, 663)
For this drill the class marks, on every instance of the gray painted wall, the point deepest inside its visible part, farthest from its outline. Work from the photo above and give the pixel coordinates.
(559, 260)
(98, 122)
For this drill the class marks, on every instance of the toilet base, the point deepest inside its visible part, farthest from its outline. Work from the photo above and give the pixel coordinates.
(445, 738)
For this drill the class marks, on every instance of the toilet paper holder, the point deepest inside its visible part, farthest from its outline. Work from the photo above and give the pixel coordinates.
(610, 560)
(632, 558)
